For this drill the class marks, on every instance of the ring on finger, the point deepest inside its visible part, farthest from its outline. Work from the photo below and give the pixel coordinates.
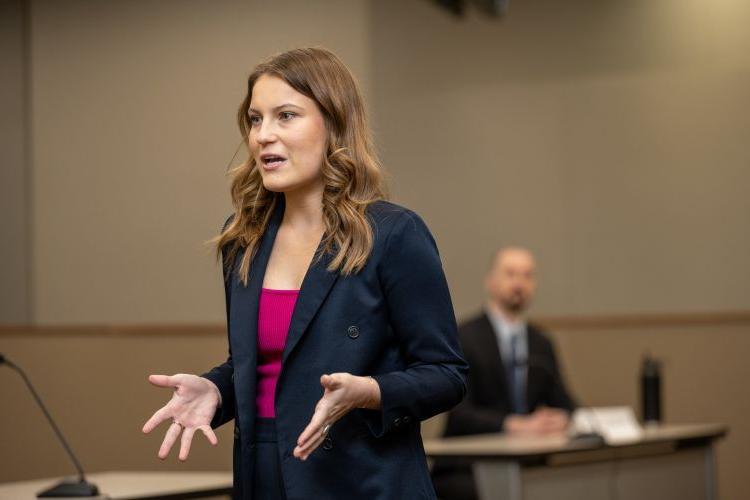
(326, 429)
(174, 421)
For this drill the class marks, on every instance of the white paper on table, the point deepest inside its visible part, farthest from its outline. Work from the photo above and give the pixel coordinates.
(616, 424)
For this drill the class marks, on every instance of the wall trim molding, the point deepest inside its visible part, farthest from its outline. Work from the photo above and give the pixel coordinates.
(174, 329)
(645, 320)
(577, 322)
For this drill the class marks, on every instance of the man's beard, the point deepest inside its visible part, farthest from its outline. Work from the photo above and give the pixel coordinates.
(515, 304)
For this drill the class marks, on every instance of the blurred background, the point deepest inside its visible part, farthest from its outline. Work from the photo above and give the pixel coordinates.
(608, 136)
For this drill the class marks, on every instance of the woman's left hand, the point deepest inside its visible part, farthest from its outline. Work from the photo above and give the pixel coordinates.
(342, 393)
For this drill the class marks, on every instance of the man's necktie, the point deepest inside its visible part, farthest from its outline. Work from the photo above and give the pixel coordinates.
(516, 377)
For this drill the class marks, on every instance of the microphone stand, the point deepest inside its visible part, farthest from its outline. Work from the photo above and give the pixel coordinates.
(66, 488)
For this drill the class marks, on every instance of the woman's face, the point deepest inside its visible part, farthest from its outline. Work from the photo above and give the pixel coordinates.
(287, 137)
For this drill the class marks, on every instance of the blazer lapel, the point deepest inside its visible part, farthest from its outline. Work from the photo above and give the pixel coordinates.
(536, 371)
(494, 360)
(244, 319)
(315, 287)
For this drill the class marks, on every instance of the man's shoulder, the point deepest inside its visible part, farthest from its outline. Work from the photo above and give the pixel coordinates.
(478, 321)
(539, 334)
(536, 328)
(475, 334)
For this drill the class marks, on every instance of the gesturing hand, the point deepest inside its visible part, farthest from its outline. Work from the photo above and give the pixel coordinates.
(191, 408)
(342, 393)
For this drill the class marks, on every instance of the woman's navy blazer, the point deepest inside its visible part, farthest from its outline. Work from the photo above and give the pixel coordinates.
(393, 320)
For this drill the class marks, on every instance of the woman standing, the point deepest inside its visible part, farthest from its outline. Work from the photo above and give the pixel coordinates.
(342, 336)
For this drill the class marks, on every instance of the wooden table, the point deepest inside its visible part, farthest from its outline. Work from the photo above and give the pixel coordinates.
(135, 485)
(667, 462)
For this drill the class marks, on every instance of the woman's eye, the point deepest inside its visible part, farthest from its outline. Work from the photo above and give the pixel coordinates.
(286, 115)
(253, 120)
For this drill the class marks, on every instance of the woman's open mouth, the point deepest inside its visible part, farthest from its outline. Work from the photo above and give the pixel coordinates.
(271, 161)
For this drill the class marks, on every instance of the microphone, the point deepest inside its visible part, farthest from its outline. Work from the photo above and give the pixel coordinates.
(79, 488)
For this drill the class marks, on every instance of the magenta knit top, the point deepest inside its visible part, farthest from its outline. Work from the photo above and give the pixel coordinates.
(274, 315)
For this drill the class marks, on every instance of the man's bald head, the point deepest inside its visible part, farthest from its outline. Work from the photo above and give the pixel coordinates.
(511, 280)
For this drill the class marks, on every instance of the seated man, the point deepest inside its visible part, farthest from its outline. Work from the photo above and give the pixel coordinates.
(514, 382)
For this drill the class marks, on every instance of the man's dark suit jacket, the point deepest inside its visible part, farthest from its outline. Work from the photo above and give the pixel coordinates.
(487, 402)
(393, 320)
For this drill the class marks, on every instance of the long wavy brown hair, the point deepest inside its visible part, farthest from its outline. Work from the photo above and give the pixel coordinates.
(351, 170)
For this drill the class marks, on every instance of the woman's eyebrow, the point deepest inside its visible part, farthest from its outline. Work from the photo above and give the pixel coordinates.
(280, 106)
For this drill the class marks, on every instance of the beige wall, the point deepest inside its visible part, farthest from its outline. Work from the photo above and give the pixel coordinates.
(607, 136)
(133, 125)
(610, 137)
(15, 192)
(95, 386)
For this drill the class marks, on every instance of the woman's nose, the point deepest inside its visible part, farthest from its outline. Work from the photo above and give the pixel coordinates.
(266, 132)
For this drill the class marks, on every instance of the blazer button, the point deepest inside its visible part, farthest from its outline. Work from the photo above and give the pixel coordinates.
(397, 422)
(236, 432)
(353, 332)
(406, 419)
(327, 444)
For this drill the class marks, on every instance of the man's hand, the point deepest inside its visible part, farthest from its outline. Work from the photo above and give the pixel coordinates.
(542, 421)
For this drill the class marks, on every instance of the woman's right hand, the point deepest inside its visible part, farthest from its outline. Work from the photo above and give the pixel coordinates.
(191, 408)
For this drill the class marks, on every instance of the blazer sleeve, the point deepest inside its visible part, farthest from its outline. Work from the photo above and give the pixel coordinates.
(421, 316)
(223, 374)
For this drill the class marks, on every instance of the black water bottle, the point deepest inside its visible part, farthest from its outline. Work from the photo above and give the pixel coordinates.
(651, 390)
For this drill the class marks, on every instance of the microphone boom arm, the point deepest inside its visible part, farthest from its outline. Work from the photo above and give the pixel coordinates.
(80, 488)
